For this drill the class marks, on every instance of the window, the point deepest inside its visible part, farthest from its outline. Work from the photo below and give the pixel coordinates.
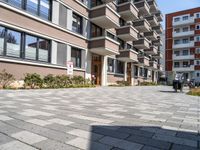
(77, 24)
(198, 50)
(185, 64)
(128, 46)
(136, 71)
(176, 64)
(30, 47)
(197, 15)
(45, 9)
(198, 74)
(197, 38)
(176, 19)
(198, 27)
(119, 67)
(96, 3)
(185, 41)
(76, 57)
(177, 30)
(110, 35)
(122, 44)
(110, 65)
(185, 29)
(13, 43)
(43, 50)
(2, 37)
(145, 72)
(176, 42)
(141, 72)
(177, 53)
(185, 52)
(16, 3)
(96, 31)
(197, 62)
(32, 6)
(185, 18)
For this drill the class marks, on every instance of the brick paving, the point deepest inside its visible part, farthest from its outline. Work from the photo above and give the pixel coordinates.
(105, 118)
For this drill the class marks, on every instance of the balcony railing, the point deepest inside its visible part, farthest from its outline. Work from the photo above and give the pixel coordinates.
(153, 65)
(153, 50)
(157, 42)
(128, 11)
(159, 15)
(183, 68)
(142, 25)
(143, 61)
(104, 16)
(151, 35)
(183, 45)
(181, 34)
(142, 43)
(159, 55)
(158, 29)
(127, 33)
(128, 55)
(143, 6)
(152, 20)
(190, 20)
(104, 46)
(153, 5)
(182, 57)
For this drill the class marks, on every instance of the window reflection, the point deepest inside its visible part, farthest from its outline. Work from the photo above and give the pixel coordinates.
(30, 47)
(43, 50)
(32, 6)
(2, 35)
(44, 9)
(16, 3)
(13, 43)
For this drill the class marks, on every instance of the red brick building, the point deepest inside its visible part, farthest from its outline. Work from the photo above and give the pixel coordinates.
(183, 44)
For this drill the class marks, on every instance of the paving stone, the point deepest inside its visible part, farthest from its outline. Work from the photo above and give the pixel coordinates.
(5, 118)
(28, 137)
(60, 121)
(39, 122)
(4, 139)
(16, 145)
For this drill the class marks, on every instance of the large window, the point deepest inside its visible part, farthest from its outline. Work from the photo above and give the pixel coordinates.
(40, 8)
(96, 31)
(76, 57)
(13, 43)
(110, 65)
(119, 67)
(2, 38)
(21, 45)
(30, 47)
(77, 24)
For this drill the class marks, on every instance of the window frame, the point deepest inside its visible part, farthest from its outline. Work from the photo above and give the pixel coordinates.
(76, 58)
(79, 19)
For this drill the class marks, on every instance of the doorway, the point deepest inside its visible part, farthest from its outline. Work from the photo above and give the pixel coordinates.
(96, 69)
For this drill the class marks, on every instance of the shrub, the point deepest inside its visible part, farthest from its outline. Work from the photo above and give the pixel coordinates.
(148, 84)
(78, 80)
(6, 79)
(49, 81)
(123, 83)
(194, 92)
(33, 80)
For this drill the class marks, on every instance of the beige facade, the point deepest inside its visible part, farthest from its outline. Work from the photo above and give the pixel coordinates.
(111, 40)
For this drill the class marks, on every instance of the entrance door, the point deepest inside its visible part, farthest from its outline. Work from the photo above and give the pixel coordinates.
(129, 73)
(96, 69)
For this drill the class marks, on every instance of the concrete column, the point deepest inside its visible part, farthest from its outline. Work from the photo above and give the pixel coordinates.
(125, 71)
(83, 58)
(55, 12)
(69, 19)
(104, 71)
(132, 74)
(68, 53)
(54, 52)
(88, 64)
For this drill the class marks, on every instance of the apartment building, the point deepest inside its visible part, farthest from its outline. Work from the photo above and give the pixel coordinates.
(183, 44)
(111, 40)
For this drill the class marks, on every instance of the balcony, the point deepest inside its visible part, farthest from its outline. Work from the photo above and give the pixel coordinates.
(153, 5)
(183, 45)
(151, 35)
(157, 42)
(128, 11)
(143, 61)
(108, 1)
(142, 43)
(183, 57)
(190, 20)
(142, 25)
(160, 67)
(184, 68)
(104, 46)
(128, 55)
(104, 16)
(127, 33)
(152, 20)
(153, 50)
(159, 55)
(153, 65)
(181, 34)
(158, 29)
(158, 15)
(143, 7)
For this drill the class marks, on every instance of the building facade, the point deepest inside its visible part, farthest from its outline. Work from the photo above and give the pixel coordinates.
(110, 40)
(183, 44)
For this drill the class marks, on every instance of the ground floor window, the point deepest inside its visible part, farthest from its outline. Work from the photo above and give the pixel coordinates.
(119, 67)
(76, 57)
(24, 46)
(136, 71)
(110, 65)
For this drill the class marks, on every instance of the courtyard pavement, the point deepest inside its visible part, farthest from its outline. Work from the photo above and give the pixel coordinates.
(108, 118)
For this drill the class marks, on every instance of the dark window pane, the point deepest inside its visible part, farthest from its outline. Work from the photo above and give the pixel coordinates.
(44, 9)
(16, 3)
(13, 43)
(76, 57)
(32, 6)
(110, 65)
(2, 35)
(120, 67)
(31, 47)
(77, 23)
(43, 53)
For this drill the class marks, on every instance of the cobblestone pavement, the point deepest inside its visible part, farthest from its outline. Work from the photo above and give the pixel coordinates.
(132, 118)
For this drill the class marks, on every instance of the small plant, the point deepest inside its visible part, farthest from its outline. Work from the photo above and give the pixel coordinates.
(123, 83)
(6, 79)
(49, 81)
(33, 81)
(148, 84)
(78, 80)
(194, 92)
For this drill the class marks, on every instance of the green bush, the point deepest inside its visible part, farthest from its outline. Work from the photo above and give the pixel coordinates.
(123, 83)
(49, 81)
(5, 79)
(148, 84)
(78, 80)
(33, 81)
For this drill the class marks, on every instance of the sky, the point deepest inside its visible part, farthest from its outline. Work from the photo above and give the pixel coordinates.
(169, 6)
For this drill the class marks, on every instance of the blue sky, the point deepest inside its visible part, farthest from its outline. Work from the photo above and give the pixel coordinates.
(169, 6)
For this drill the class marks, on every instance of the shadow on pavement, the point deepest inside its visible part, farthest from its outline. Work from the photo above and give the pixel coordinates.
(141, 138)
(168, 92)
